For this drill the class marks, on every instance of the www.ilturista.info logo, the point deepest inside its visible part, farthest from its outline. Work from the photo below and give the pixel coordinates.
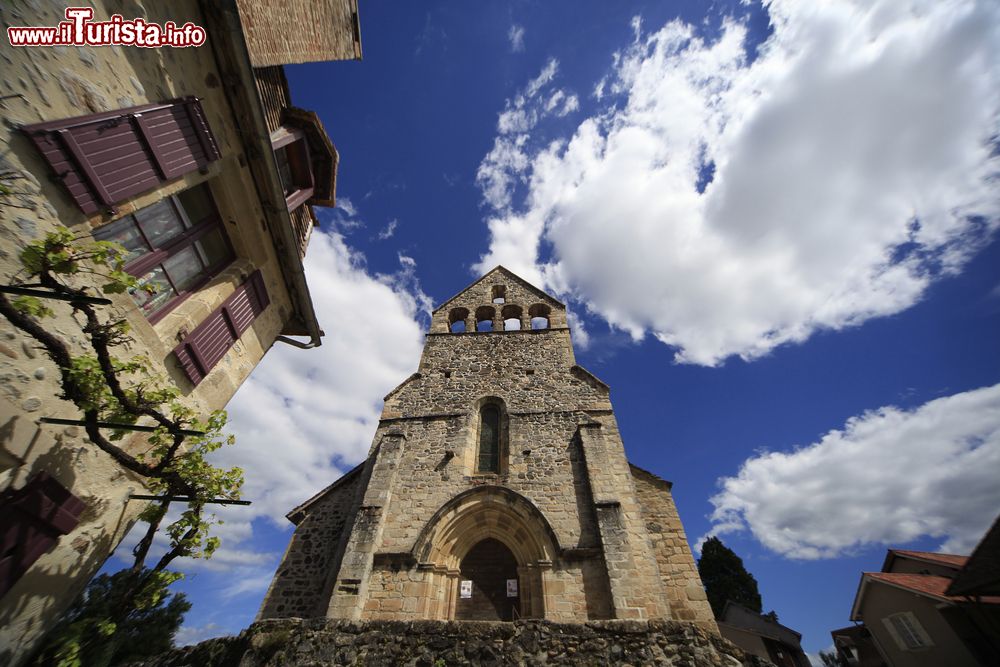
(79, 30)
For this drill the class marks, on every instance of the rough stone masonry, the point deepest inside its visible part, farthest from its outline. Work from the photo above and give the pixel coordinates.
(450, 644)
(496, 489)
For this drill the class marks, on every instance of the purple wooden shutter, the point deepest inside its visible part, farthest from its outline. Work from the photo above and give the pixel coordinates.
(204, 347)
(104, 159)
(31, 521)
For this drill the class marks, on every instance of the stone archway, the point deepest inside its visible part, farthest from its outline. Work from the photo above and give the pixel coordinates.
(486, 573)
(487, 513)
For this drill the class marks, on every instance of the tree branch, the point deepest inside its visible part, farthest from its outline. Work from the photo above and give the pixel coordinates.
(57, 351)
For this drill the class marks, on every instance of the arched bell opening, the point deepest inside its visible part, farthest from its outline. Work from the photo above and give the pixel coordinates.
(488, 585)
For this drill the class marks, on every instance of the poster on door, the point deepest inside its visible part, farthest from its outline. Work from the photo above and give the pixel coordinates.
(466, 588)
(512, 588)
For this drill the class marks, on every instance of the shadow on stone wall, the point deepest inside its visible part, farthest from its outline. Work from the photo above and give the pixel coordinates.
(451, 643)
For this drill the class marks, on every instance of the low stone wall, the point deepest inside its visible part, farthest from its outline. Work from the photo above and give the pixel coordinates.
(448, 643)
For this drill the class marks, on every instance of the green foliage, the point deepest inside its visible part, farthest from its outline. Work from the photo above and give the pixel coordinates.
(86, 636)
(725, 578)
(30, 305)
(829, 659)
(60, 253)
(111, 389)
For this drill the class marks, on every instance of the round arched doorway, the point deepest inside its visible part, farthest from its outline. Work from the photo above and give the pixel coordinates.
(459, 540)
(488, 584)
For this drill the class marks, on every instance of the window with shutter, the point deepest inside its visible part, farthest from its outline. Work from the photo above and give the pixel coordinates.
(174, 247)
(907, 631)
(204, 347)
(294, 166)
(31, 521)
(107, 158)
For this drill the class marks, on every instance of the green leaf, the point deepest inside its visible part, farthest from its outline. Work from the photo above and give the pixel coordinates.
(33, 306)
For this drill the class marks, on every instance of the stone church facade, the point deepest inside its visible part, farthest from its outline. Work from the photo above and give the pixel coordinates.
(496, 488)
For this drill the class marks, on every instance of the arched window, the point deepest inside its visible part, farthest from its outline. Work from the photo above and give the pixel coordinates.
(539, 314)
(499, 294)
(484, 318)
(456, 319)
(489, 439)
(511, 316)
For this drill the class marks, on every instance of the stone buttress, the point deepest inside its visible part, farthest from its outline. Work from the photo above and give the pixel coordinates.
(497, 488)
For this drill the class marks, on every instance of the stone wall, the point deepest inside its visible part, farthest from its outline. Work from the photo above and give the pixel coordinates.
(299, 585)
(685, 592)
(440, 643)
(564, 501)
(66, 82)
(299, 31)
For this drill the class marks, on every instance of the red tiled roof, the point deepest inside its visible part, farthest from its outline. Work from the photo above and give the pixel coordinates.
(925, 584)
(950, 560)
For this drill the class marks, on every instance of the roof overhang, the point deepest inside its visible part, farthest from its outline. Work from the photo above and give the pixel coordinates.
(233, 61)
(322, 154)
(981, 574)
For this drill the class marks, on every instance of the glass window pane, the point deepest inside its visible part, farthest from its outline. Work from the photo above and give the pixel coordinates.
(213, 248)
(197, 204)
(160, 222)
(185, 268)
(489, 439)
(153, 291)
(285, 170)
(126, 232)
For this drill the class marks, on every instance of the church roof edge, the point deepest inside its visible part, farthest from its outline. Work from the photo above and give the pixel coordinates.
(500, 268)
(297, 513)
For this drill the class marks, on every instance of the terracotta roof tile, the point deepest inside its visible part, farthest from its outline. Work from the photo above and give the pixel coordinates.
(951, 560)
(925, 584)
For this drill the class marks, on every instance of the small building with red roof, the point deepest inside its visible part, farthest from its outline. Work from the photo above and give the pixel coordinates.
(912, 619)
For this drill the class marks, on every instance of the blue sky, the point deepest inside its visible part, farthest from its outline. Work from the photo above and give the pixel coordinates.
(776, 231)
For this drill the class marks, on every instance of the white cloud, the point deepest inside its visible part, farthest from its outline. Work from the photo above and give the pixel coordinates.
(516, 37)
(888, 476)
(343, 217)
(561, 104)
(347, 206)
(849, 159)
(306, 416)
(506, 166)
(581, 337)
(544, 77)
(188, 635)
(387, 232)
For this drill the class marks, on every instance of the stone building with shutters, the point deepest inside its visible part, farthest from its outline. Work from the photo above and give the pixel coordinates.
(496, 488)
(196, 160)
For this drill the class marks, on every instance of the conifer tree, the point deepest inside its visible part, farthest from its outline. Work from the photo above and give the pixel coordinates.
(725, 578)
(143, 633)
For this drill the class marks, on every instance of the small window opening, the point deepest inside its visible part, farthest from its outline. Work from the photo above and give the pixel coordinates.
(499, 294)
(511, 315)
(530, 371)
(456, 320)
(539, 314)
(484, 318)
(447, 374)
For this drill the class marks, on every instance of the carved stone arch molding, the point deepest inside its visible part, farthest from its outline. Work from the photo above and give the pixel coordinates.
(468, 519)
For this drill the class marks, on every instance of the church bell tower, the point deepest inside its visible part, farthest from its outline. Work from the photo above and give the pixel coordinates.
(496, 488)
